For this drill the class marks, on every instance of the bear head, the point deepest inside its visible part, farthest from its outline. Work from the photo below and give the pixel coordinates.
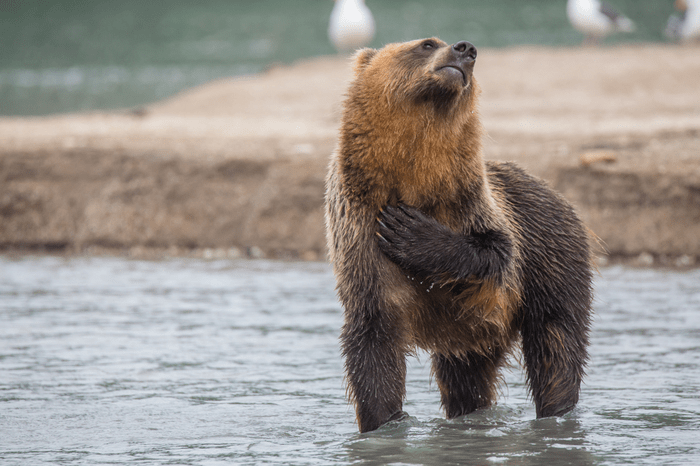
(420, 73)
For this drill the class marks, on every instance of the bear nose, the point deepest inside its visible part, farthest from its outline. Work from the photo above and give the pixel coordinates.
(465, 49)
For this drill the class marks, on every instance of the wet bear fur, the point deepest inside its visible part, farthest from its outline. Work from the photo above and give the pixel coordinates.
(434, 248)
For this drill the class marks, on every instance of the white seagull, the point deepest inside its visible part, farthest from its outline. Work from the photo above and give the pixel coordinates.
(686, 27)
(596, 19)
(351, 25)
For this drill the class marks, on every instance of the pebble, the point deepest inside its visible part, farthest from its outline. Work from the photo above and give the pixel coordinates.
(685, 261)
(645, 259)
(255, 252)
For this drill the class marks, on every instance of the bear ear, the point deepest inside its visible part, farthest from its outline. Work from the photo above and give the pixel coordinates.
(362, 59)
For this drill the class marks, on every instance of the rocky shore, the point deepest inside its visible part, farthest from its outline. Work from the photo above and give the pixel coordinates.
(236, 167)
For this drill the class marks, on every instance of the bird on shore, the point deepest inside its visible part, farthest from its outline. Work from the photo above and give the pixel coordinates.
(685, 27)
(351, 25)
(596, 19)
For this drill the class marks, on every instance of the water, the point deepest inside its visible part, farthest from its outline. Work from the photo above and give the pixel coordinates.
(68, 55)
(113, 361)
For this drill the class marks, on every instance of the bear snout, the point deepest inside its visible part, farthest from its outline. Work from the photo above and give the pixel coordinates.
(464, 50)
(456, 63)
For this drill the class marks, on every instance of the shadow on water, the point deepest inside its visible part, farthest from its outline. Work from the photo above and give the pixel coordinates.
(485, 437)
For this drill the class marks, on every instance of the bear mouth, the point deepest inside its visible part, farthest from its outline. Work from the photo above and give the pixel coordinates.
(454, 72)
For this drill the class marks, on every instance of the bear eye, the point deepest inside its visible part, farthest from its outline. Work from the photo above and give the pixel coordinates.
(429, 45)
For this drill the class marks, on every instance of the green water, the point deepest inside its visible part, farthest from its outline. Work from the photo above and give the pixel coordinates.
(76, 55)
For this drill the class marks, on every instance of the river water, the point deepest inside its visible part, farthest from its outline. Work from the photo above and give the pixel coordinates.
(115, 361)
(68, 55)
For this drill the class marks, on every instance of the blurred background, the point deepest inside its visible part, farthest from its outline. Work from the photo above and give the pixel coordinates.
(77, 55)
(200, 356)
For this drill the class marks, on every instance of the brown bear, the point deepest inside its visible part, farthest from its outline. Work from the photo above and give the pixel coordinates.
(433, 247)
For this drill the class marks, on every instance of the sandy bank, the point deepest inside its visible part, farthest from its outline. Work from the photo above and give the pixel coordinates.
(238, 165)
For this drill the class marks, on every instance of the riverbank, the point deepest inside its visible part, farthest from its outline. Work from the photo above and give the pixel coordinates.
(236, 167)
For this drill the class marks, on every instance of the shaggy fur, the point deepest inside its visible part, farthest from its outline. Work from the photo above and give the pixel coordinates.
(434, 248)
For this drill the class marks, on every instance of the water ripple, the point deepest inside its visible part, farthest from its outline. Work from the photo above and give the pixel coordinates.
(111, 361)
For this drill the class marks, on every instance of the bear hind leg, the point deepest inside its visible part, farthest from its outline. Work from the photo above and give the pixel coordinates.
(466, 383)
(555, 357)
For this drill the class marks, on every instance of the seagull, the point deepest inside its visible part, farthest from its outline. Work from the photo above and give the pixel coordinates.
(685, 27)
(596, 19)
(351, 25)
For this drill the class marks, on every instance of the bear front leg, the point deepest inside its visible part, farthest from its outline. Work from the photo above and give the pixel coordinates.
(373, 338)
(466, 383)
(555, 356)
(375, 368)
(421, 245)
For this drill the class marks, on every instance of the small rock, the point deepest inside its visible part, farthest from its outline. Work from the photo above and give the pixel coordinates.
(255, 252)
(685, 261)
(234, 253)
(645, 259)
(597, 156)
